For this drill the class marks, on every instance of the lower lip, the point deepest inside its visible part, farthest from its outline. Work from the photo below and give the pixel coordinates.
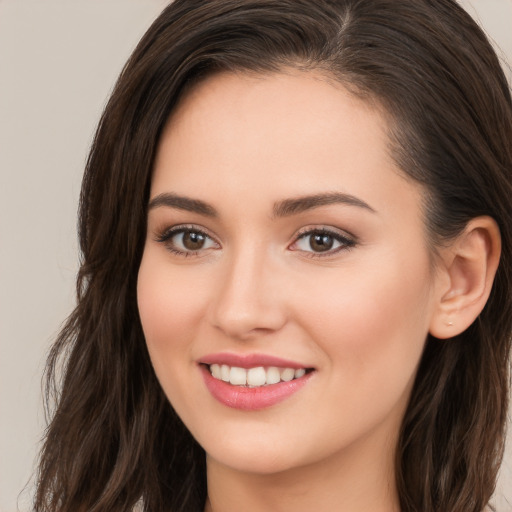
(251, 399)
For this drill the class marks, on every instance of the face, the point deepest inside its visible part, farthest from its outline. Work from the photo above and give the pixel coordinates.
(282, 244)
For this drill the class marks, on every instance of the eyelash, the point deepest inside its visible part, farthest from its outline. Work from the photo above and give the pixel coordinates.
(166, 236)
(346, 242)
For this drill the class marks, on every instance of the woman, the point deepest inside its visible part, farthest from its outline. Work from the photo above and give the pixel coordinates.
(295, 290)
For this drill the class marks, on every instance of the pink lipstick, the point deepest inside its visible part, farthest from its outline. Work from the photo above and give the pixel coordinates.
(254, 381)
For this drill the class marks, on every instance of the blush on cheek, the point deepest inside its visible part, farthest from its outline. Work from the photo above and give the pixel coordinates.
(159, 308)
(371, 319)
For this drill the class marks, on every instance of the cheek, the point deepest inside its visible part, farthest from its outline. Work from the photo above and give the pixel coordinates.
(170, 309)
(169, 302)
(372, 325)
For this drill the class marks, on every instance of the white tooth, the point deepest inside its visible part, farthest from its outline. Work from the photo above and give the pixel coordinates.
(256, 376)
(300, 373)
(287, 374)
(215, 370)
(238, 376)
(224, 372)
(273, 375)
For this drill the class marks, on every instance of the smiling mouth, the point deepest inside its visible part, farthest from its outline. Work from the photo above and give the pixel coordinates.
(256, 377)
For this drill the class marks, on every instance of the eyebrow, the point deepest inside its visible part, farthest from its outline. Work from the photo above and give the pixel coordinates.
(284, 208)
(297, 205)
(183, 203)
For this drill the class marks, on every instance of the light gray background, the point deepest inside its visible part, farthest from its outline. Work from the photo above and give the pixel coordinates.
(58, 62)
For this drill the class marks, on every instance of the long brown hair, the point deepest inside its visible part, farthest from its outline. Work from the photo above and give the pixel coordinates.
(114, 440)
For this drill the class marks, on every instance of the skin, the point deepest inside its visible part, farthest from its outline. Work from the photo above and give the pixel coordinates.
(359, 315)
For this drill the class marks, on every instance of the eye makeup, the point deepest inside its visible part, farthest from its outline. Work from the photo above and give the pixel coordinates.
(186, 240)
(314, 242)
(320, 242)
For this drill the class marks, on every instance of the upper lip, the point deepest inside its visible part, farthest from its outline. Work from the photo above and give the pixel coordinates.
(249, 360)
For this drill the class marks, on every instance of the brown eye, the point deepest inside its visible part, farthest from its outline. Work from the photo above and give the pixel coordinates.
(321, 242)
(187, 241)
(193, 240)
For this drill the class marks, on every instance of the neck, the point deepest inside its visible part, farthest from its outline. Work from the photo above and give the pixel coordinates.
(348, 482)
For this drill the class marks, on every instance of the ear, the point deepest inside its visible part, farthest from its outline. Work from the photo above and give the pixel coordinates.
(465, 275)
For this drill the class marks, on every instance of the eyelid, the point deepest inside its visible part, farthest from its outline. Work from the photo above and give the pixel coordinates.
(323, 228)
(346, 239)
(164, 236)
(169, 231)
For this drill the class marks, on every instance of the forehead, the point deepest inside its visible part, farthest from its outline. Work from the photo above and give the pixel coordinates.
(287, 96)
(255, 137)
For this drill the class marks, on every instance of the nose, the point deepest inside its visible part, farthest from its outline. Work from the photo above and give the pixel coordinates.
(249, 301)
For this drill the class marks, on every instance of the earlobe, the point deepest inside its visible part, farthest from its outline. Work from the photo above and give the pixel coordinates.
(469, 265)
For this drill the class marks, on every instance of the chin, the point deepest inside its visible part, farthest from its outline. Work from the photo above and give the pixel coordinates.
(254, 461)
